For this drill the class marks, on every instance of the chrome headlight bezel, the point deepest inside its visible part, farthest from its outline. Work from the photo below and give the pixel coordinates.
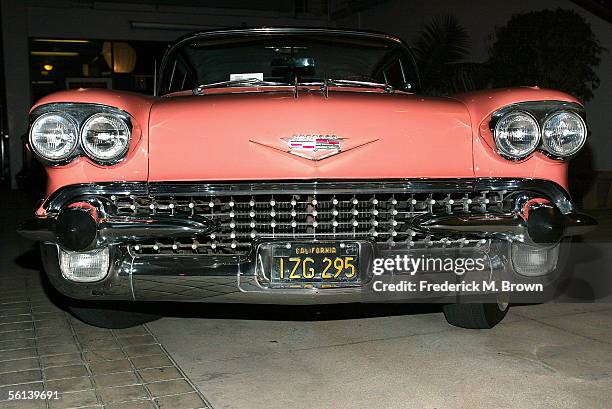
(542, 111)
(58, 159)
(533, 146)
(80, 113)
(90, 151)
(545, 139)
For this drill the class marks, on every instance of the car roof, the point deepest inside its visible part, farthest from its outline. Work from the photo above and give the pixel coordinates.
(246, 31)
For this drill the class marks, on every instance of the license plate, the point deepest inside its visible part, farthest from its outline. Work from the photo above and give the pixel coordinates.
(321, 265)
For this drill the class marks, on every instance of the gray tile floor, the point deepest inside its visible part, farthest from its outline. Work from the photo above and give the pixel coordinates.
(43, 348)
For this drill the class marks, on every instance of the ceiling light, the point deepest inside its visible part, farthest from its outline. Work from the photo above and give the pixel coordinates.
(54, 53)
(55, 40)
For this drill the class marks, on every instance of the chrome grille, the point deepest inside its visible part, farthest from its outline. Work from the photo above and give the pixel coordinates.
(243, 218)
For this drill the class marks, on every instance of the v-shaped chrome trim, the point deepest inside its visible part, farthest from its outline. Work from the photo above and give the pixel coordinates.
(304, 156)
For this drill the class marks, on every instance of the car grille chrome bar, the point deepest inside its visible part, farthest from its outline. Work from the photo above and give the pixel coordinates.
(242, 219)
(248, 212)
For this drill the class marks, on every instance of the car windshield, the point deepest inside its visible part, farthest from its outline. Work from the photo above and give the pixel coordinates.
(252, 59)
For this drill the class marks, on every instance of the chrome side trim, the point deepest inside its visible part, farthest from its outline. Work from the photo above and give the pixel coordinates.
(577, 224)
(39, 229)
(506, 226)
(503, 226)
(124, 229)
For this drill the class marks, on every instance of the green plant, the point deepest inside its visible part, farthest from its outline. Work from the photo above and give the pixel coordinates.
(440, 51)
(549, 48)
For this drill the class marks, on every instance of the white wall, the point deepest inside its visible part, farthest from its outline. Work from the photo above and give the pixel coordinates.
(480, 17)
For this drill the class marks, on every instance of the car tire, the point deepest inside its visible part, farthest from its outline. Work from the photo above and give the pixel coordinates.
(110, 318)
(475, 316)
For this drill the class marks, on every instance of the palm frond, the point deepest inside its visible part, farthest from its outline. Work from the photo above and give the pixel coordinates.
(440, 50)
(444, 40)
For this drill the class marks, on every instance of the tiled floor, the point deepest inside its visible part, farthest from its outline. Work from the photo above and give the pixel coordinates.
(42, 348)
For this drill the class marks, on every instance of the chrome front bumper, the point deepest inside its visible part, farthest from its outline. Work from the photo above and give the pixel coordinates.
(539, 216)
(231, 279)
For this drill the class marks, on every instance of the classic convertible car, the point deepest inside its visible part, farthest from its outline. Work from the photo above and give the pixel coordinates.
(276, 165)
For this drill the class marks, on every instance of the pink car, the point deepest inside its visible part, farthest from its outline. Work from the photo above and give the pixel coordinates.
(294, 166)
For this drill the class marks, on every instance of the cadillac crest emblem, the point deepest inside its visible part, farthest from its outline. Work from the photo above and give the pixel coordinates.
(314, 146)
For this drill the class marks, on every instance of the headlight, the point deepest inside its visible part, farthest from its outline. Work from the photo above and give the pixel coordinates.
(517, 135)
(564, 133)
(105, 137)
(54, 136)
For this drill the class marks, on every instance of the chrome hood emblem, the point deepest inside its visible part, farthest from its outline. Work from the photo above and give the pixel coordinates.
(314, 147)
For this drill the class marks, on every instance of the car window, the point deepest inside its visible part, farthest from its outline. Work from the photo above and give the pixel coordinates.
(280, 58)
(393, 74)
(180, 77)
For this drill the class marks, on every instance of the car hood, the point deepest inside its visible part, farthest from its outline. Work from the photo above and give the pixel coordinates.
(247, 136)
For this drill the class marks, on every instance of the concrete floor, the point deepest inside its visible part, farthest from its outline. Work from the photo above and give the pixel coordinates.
(548, 356)
(405, 356)
(393, 356)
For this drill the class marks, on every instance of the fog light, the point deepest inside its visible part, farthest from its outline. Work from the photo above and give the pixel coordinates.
(531, 261)
(84, 267)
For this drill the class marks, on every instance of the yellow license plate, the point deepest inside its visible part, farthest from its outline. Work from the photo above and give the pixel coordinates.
(304, 265)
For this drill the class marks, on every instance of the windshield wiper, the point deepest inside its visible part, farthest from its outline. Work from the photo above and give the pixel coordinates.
(354, 83)
(199, 90)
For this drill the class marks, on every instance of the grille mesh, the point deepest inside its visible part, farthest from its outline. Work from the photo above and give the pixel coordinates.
(243, 218)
